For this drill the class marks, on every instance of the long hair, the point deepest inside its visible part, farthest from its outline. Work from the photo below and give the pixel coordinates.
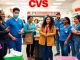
(67, 20)
(51, 22)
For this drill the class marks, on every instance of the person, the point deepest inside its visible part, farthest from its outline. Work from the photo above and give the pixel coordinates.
(36, 21)
(16, 27)
(47, 31)
(76, 35)
(64, 36)
(4, 31)
(58, 22)
(30, 27)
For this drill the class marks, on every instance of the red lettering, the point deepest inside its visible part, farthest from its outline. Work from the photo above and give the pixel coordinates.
(32, 3)
(38, 3)
(45, 3)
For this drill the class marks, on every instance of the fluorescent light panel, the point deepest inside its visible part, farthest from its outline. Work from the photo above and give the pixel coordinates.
(57, 3)
(60, 0)
(10, 3)
(53, 6)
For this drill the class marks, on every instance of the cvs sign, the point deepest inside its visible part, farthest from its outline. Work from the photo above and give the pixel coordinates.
(38, 3)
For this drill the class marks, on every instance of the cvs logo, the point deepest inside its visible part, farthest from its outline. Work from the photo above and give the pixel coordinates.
(38, 3)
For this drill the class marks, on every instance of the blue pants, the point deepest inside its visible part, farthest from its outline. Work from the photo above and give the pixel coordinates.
(57, 43)
(64, 48)
(77, 47)
(16, 45)
(47, 50)
(71, 43)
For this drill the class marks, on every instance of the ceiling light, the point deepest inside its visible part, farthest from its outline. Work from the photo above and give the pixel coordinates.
(57, 3)
(60, 0)
(10, 3)
(53, 6)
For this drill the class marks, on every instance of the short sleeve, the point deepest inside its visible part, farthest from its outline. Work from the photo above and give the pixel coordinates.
(70, 29)
(8, 22)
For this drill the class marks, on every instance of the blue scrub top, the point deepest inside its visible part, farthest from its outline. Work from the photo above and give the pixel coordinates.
(64, 32)
(15, 26)
(58, 23)
(76, 27)
(32, 27)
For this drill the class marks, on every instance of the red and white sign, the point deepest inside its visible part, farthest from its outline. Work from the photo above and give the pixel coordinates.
(38, 3)
(41, 13)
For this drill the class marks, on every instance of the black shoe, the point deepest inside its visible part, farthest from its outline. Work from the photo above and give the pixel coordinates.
(57, 54)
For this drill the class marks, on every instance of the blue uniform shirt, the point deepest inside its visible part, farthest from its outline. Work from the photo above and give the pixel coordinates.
(64, 32)
(57, 24)
(32, 27)
(15, 26)
(76, 27)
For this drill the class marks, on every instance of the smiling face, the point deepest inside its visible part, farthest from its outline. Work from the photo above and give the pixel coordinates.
(48, 20)
(65, 21)
(76, 21)
(2, 16)
(58, 17)
(30, 19)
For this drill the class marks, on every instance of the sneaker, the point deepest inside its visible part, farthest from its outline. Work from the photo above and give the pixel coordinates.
(57, 54)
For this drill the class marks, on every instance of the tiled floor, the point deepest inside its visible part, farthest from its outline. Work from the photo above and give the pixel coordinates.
(25, 56)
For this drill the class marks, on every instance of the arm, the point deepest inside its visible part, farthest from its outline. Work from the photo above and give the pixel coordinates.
(76, 32)
(9, 34)
(58, 33)
(27, 28)
(68, 37)
(3, 33)
(53, 33)
(41, 32)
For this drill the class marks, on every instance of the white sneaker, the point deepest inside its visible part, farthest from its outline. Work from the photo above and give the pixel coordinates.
(16, 53)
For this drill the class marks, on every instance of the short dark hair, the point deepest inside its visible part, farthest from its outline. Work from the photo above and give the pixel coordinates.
(14, 9)
(28, 17)
(78, 17)
(58, 14)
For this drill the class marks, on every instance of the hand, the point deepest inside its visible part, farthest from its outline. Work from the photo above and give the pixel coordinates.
(33, 30)
(21, 31)
(29, 28)
(14, 38)
(65, 42)
(57, 28)
(7, 29)
(45, 35)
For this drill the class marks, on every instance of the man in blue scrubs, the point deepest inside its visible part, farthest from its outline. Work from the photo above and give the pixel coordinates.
(16, 27)
(58, 22)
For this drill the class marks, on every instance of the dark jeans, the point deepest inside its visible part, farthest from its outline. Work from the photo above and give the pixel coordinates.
(3, 51)
(64, 48)
(77, 47)
(47, 50)
(57, 43)
(71, 43)
(30, 49)
(38, 51)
